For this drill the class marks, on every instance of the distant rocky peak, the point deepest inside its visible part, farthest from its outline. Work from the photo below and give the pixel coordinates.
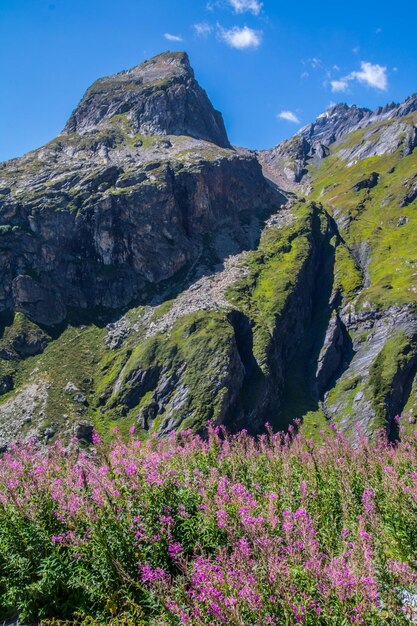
(408, 106)
(287, 163)
(333, 123)
(157, 97)
(341, 119)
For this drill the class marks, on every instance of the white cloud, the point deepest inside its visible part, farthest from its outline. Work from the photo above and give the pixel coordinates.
(289, 116)
(373, 75)
(240, 38)
(202, 29)
(316, 63)
(339, 85)
(238, 6)
(171, 37)
(243, 6)
(370, 74)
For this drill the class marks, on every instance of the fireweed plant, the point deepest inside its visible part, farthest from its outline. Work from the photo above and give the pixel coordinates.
(216, 530)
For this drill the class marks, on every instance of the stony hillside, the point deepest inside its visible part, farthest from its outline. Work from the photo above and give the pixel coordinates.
(138, 198)
(360, 167)
(153, 275)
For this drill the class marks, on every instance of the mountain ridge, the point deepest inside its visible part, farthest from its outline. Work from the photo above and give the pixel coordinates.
(163, 280)
(312, 141)
(357, 116)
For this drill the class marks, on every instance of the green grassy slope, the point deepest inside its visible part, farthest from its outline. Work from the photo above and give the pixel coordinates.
(373, 216)
(377, 268)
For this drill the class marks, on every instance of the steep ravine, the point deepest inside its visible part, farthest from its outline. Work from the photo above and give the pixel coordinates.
(227, 356)
(286, 267)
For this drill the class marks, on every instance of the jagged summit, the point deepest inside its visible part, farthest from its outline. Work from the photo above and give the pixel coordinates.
(158, 97)
(341, 119)
(179, 60)
(336, 121)
(286, 163)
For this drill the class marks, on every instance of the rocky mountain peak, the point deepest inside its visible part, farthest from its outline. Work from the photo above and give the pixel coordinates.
(286, 163)
(158, 97)
(132, 207)
(408, 106)
(165, 63)
(336, 121)
(341, 119)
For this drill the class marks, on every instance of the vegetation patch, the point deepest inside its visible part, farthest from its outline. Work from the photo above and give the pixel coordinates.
(397, 353)
(195, 355)
(380, 232)
(210, 531)
(275, 270)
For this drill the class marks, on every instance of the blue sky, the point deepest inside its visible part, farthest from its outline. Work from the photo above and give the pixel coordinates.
(270, 66)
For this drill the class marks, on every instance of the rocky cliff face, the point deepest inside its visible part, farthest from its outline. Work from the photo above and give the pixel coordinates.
(152, 275)
(124, 197)
(138, 198)
(158, 97)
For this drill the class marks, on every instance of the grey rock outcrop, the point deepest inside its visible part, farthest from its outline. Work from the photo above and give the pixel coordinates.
(159, 97)
(410, 197)
(84, 432)
(6, 384)
(378, 327)
(331, 354)
(109, 207)
(367, 183)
